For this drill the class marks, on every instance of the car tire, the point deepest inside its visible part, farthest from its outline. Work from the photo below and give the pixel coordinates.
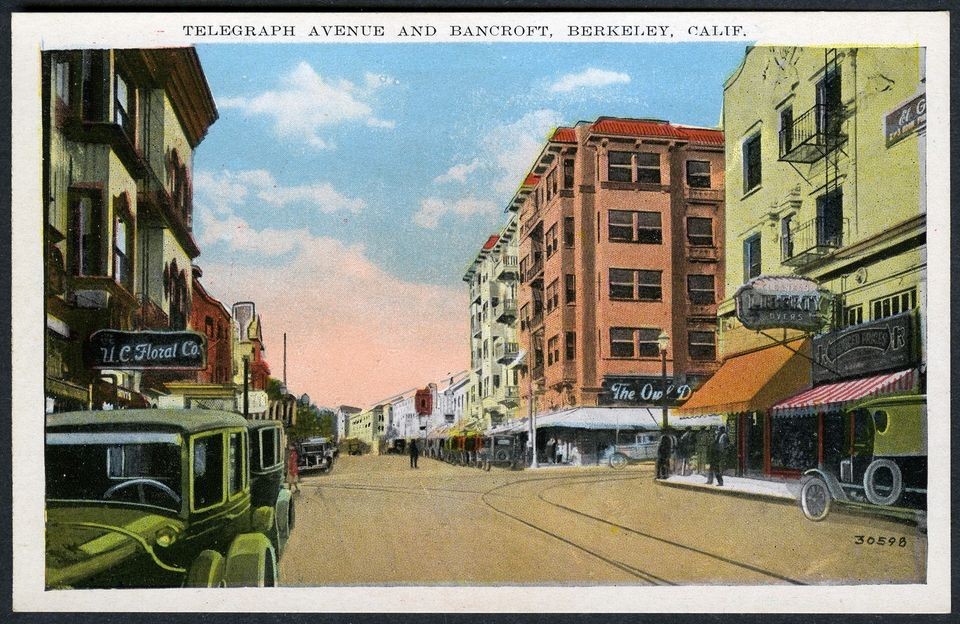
(874, 495)
(206, 570)
(251, 562)
(291, 517)
(815, 499)
(618, 461)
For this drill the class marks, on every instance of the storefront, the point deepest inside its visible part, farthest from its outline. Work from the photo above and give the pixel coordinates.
(741, 393)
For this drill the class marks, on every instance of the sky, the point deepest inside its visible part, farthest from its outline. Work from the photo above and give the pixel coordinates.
(346, 188)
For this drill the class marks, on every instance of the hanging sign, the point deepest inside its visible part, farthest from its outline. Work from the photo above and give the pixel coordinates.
(146, 350)
(884, 344)
(905, 119)
(775, 302)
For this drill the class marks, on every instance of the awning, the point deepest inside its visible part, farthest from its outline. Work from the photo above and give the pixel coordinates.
(612, 418)
(691, 422)
(834, 396)
(753, 381)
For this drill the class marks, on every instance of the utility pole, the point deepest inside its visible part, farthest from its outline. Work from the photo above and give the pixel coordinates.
(246, 386)
(284, 359)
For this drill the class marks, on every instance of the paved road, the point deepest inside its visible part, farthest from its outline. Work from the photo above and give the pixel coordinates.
(374, 521)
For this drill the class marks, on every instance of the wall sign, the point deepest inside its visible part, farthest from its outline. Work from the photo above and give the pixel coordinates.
(146, 350)
(905, 119)
(642, 391)
(775, 302)
(880, 345)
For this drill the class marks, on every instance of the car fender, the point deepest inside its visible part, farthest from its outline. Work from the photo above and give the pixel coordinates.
(282, 510)
(833, 484)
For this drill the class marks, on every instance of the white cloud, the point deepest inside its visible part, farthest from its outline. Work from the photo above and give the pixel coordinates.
(240, 236)
(305, 102)
(433, 209)
(512, 147)
(227, 188)
(591, 77)
(458, 173)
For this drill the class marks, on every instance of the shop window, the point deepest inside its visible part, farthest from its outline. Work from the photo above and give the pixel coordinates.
(635, 284)
(700, 231)
(570, 345)
(894, 304)
(700, 289)
(570, 290)
(702, 345)
(852, 315)
(698, 173)
(751, 163)
(648, 168)
(619, 166)
(793, 443)
(568, 231)
(85, 231)
(630, 226)
(751, 257)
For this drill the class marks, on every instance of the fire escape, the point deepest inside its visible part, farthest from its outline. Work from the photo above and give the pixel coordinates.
(814, 136)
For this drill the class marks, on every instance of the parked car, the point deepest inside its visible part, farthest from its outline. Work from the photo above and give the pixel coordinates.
(154, 498)
(643, 447)
(316, 454)
(501, 450)
(884, 465)
(267, 483)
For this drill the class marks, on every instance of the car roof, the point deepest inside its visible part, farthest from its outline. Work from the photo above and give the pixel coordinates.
(895, 399)
(262, 424)
(184, 420)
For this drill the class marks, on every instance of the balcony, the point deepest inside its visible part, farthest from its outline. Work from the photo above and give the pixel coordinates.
(703, 195)
(506, 352)
(812, 240)
(507, 269)
(507, 311)
(476, 328)
(150, 315)
(812, 135)
(155, 201)
(701, 253)
(535, 269)
(510, 396)
(537, 372)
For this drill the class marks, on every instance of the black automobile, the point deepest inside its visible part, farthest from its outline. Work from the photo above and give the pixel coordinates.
(316, 454)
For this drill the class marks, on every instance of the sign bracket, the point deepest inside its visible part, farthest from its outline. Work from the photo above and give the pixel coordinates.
(795, 351)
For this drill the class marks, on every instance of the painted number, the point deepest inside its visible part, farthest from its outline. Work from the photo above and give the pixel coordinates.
(870, 540)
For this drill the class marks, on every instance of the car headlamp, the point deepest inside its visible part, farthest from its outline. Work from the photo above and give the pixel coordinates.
(166, 536)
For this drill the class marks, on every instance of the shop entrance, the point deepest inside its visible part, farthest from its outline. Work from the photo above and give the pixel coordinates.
(750, 456)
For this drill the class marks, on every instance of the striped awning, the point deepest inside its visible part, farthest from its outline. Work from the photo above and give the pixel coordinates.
(834, 396)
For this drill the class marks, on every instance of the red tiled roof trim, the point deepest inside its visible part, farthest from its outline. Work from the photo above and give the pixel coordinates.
(491, 241)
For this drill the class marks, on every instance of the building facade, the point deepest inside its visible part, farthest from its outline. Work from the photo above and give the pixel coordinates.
(119, 128)
(209, 316)
(493, 279)
(620, 227)
(342, 420)
(825, 179)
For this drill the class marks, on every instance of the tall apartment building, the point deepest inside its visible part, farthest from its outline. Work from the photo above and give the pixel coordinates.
(342, 420)
(493, 278)
(621, 227)
(119, 128)
(825, 182)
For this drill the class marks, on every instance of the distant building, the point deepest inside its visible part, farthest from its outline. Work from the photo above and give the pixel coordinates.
(342, 420)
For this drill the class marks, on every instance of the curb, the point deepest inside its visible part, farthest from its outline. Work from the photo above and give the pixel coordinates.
(713, 489)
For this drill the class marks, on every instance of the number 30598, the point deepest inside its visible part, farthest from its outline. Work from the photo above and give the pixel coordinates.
(870, 540)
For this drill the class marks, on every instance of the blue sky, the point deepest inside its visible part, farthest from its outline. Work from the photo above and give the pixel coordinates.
(396, 160)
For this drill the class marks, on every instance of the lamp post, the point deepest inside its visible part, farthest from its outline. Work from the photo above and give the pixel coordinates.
(663, 340)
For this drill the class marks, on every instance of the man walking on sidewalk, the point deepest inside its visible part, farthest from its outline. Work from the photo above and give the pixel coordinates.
(414, 453)
(716, 454)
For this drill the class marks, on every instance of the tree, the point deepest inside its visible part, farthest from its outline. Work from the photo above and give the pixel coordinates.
(311, 423)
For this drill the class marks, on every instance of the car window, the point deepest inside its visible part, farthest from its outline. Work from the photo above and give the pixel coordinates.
(269, 447)
(236, 473)
(207, 471)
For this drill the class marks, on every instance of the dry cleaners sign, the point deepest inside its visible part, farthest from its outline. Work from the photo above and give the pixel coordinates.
(880, 345)
(774, 302)
(147, 350)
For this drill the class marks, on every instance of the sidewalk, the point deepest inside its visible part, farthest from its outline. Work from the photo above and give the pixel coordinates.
(767, 489)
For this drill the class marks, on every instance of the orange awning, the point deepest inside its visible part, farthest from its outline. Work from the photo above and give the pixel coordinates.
(753, 381)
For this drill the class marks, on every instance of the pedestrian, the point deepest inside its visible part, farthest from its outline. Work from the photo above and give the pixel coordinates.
(293, 468)
(414, 453)
(664, 451)
(552, 450)
(716, 455)
(684, 449)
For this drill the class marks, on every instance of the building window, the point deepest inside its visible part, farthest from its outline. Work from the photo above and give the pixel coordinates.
(830, 219)
(829, 103)
(568, 173)
(61, 80)
(122, 241)
(751, 257)
(629, 226)
(619, 166)
(208, 326)
(568, 231)
(786, 130)
(786, 237)
(648, 168)
(553, 295)
(553, 350)
(635, 284)
(551, 240)
(700, 231)
(496, 381)
(628, 342)
(570, 290)
(700, 289)
(751, 163)
(894, 304)
(570, 345)
(698, 173)
(85, 233)
(122, 106)
(853, 315)
(702, 345)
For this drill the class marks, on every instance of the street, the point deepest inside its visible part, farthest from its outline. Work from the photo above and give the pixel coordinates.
(375, 521)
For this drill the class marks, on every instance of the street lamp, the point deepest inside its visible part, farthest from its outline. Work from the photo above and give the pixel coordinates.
(663, 340)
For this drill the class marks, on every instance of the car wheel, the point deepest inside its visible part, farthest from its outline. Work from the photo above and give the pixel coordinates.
(618, 461)
(251, 562)
(206, 570)
(815, 499)
(291, 517)
(883, 482)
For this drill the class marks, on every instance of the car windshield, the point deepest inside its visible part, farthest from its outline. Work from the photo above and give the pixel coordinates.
(139, 468)
(313, 448)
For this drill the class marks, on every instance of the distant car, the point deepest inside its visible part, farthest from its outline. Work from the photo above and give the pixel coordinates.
(267, 472)
(643, 447)
(154, 498)
(502, 450)
(316, 454)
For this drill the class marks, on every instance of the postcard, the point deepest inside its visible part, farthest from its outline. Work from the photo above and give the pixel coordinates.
(519, 312)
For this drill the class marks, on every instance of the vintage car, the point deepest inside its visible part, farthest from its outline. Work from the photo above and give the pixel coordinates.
(153, 498)
(267, 483)
(316, 454)
(642, 448)
(501, 450)
(883, 465)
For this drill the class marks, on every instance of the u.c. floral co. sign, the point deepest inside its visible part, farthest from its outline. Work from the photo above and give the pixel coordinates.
(147, 350)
